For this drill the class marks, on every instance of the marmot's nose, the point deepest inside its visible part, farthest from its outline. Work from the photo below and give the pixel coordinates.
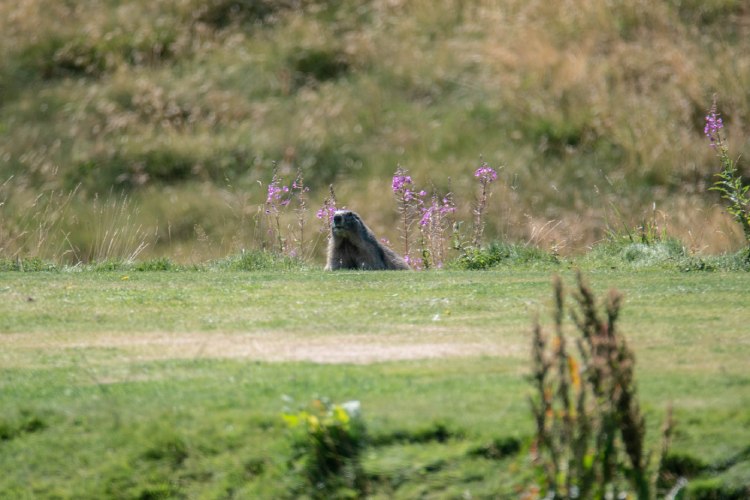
(337, 219)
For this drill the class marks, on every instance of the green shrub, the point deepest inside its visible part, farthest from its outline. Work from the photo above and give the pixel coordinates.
(497, 449)
(623, 251)
(58, 57)
(26, 422)
(432, 432)
(317, 65)
(222, 13)
(26, 265)
(715, 489)
(124, 170)
(502, 253)
(327, 442)
(159, 264)
(160, 165)
(168, 448)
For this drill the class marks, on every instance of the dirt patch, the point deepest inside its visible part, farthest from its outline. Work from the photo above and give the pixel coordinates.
(275, 347)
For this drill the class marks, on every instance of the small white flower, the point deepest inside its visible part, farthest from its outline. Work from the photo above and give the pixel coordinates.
(352, 408)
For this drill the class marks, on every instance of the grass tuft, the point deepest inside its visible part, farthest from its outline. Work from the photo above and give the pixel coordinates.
(260, 260)
(27, 265)
(438, 432)
(497, 449)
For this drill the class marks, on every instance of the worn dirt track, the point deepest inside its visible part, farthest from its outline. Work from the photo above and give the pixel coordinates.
(276, 347)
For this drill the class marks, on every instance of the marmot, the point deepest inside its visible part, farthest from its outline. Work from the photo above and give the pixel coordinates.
(353, 246)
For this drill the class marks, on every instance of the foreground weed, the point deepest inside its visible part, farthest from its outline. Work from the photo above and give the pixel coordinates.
(590, 431)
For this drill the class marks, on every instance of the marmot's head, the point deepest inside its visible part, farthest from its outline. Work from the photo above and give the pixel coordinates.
(345, 224)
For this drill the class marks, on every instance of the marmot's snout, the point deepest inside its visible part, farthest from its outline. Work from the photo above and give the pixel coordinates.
(343, 221)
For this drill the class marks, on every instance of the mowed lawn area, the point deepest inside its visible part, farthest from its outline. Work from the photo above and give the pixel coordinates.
(130, 384)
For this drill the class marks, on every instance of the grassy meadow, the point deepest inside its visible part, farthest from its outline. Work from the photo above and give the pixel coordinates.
(163, 166)
(159, 384)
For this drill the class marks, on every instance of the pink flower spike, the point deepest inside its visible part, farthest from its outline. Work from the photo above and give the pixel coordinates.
(485, 173)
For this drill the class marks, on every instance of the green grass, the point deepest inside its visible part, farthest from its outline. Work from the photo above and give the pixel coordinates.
(152, 384)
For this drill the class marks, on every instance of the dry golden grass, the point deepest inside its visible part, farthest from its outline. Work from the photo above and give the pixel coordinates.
(587, 105)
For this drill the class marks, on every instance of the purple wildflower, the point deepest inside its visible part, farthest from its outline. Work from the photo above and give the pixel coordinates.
(427, 215)
(273, 192)
(713, 125)
(326, 211)
(485, 173)
(409, 202)
(447, 207)
(435, 211)
(401, 187)
(400, 180)
(414, 262)
(276, 193)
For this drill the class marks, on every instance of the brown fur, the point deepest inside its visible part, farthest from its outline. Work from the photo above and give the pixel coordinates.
(353, 246)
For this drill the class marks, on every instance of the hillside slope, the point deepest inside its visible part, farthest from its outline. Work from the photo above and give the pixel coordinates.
(592, 112)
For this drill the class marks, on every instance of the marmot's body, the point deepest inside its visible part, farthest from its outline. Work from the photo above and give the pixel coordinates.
(354, 246)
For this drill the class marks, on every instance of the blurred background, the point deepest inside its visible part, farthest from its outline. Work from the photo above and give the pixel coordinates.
(153, 127)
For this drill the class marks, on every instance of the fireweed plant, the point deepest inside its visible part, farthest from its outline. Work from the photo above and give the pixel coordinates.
(729, 183)
(409, 203)
(299, 192)
(486, 175)
(326, 212)
(425, 224)
(435, 217)
(278, 199)
(434, 225)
